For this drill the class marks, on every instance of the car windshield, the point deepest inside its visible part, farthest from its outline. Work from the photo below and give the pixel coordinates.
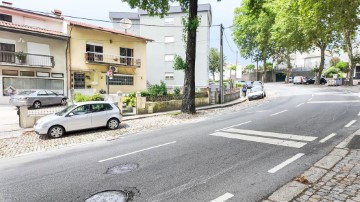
(27, 92)
(66, 110)
(256, 90)
(257, 83)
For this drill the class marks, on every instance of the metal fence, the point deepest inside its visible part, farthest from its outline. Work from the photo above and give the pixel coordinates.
(45, 110)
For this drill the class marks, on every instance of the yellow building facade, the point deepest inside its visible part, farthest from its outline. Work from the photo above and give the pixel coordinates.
(94, 50)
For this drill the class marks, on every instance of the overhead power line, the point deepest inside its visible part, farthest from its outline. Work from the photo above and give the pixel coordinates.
(227, 41)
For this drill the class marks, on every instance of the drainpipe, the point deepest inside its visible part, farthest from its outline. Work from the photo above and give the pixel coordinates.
(68, 69)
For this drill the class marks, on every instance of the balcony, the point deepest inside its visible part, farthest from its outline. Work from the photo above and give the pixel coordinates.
(100, 58)
(26, 59)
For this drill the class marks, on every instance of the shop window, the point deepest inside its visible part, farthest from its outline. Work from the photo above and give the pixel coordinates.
(7, 52)
(27, 73)
(79, 80)
(4, 17)
(122, 80)
(9, 72)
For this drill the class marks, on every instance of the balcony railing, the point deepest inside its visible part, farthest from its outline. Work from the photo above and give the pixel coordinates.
(92, 57)
(26, 59)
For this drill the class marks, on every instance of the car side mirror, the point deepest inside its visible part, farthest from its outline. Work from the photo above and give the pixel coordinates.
(70, 114)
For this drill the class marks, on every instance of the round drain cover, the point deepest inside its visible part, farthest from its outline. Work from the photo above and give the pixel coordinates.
(108, 196)
(122, 168)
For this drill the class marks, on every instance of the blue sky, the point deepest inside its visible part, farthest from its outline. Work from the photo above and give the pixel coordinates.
(223, 12)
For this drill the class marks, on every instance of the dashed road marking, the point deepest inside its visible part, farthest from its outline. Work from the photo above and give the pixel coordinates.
(327, 137)
(285, 163)
(335, 101)
(299, 105)
(359, 114)
(134, 152)
(278, 113)
(223, 198)
(233, 126)
(350, 123)
(310, 99)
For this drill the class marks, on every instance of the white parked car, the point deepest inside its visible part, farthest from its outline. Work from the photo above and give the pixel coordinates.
(80, 116)
(256, 92)
(299, 80)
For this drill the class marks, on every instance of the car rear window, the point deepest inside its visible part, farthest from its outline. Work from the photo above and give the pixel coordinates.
(26, 92)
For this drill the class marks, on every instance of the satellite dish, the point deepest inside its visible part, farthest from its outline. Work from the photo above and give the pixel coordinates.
(125, 23)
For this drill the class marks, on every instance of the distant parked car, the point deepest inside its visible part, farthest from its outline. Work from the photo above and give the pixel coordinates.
(37, 98)
(312, 81)
(290, 79)
(80, 116)
(249, 84)
(299, 80)
(256, 92)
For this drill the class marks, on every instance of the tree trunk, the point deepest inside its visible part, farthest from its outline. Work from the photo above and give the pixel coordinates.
(322, 63)
(213, 74)
(188, 101)
(349, 50)
(264, 71)
(288, 66)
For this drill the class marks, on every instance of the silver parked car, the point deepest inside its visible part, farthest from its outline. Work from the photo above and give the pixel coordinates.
(256, 92)
(37, 98)
(80, 116)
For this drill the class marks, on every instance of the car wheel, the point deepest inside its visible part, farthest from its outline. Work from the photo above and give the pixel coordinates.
(249, 99)
(56, 131)
(37, 105)
(113, 124)
(63, 102)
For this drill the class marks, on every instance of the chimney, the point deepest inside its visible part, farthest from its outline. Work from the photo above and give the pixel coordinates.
(57, 12)
(6, 3)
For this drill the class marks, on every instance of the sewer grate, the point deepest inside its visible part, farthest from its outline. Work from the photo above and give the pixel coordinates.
(354, 143)
(119, 169)
(108, 196)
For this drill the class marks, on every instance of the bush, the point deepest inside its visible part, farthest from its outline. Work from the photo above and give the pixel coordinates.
(331, 71)
(238, 85)
(130, 100)
(177, 91)
(145, 94)
(343, 66)
(78, 97)
(158, 90)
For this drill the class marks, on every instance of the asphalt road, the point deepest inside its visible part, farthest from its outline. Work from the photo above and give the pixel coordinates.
(239, 156)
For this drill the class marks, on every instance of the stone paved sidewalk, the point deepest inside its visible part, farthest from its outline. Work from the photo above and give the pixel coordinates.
(334, 178)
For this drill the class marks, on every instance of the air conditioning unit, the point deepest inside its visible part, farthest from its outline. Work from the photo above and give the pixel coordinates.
(113, 68)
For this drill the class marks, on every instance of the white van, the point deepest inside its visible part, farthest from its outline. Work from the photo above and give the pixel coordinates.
(299, 80)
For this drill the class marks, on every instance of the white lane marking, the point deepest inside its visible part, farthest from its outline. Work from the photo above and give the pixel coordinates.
(359, 114)
(233, 126)
(286, 143)
(271, 134)
(134, 152)
(309, 99)
(312, 95)
(223, 198)
(285, 163)
(278, 113)
(327, 137)
(335, 101)
(299, 104)
(350, 123)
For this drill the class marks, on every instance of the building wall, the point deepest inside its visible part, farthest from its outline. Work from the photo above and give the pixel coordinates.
(57, 49)
(157, 66)
(97, 72)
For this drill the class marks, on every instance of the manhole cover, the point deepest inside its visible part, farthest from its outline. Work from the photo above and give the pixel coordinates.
(122, 168)
(354, 143)
(108, 196)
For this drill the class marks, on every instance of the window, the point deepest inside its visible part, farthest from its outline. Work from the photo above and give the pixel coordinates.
(169, 58)
(122, 80)
(57, 75)
(50, 93)
(42, 74)
(79, 80)
(7, 52)
(4, 17)
(81, 110)
(42, 93)
(169, 21)
(169, 39)
(9, 72)
(27, 73)
(12, 85)
(94, 52)
(169, 75)
(126, 56)
(100, 107)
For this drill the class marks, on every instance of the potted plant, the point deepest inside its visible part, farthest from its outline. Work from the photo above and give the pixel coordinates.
(21, 56)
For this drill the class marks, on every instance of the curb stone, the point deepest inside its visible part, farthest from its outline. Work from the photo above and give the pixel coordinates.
(293, 188)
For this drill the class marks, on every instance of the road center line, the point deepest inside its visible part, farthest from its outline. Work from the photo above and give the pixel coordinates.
(350, 123)
(299, 104)
(285, 163)
(327, 137)
(359, 114)
(310, 99)
(278, 113)
(223, 198)
(335, 101)
(134, 152)
(233, 126)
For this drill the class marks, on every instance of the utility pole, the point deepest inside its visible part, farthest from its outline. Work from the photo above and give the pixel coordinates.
(221, 66)
(236, 65)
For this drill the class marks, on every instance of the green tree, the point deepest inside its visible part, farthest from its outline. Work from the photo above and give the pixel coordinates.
(214, 61)
(249, 67)
(334, 61)
(252, 30)
(347, 20)
(161, 8)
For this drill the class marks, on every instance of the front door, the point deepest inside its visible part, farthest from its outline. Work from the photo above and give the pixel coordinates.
(100, 114)
(79, 118)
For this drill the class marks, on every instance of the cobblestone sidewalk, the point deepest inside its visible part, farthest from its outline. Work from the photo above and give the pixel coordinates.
(30, 142)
